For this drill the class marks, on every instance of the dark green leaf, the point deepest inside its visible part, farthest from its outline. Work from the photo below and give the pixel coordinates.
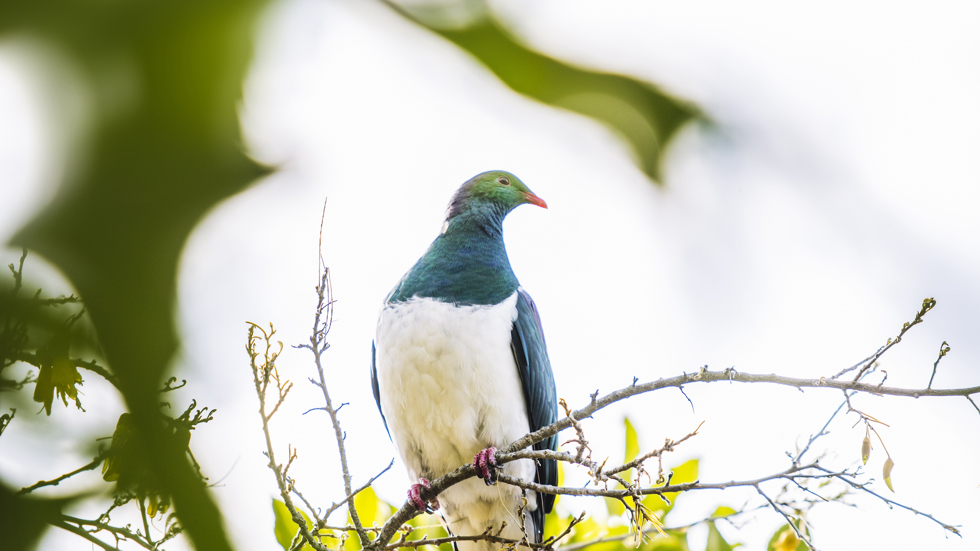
(164, 79)
(643, 114)
(24, 519)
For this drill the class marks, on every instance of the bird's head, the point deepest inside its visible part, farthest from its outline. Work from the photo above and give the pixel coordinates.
(496, 190)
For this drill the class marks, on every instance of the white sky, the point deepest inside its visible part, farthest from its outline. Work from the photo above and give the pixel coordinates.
(838, 192)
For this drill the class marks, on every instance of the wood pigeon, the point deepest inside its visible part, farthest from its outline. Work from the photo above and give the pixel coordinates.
(460, 367)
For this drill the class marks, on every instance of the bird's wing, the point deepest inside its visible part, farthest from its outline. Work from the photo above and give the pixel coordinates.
(538, 383)
(374, 386)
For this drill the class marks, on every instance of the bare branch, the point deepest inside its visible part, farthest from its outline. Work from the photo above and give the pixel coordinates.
(351, 496)
(99, 525)
(88, 467)
(706, 376)
(84, 534)
(616, 493)
(927, 305)
(789, 520)
(668, 447)
(847, 478)
(262, 372)
(322, 322)
(974, 404)
(408, 510)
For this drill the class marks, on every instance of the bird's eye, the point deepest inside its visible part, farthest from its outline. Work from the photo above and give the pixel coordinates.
(505, 181)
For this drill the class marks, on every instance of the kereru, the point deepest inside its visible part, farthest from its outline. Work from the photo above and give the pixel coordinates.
(460, 367)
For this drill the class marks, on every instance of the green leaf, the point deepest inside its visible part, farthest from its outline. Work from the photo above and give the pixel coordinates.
(643, 114)
(785, 539)
(286, 527)
(162, 81)
(685, 472)
(614, 506)
(372, 510)
(25, 518)
(724, 512)
(715, 541)
(632, 446)
(673, 542)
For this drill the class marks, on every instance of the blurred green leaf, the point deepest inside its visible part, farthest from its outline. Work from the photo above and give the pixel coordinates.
(615, 506)
(724, 512)
(685, 472)
(632, 446)
(673, 542)
(643, 114)
(23, 519)
(286, 527)
(372, 510)
(163, 81)
(428, 527)
(715, 541)
(785, 539)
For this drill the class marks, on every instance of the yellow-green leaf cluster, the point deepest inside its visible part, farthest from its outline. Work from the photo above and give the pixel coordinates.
(286, 527)
(785, 539)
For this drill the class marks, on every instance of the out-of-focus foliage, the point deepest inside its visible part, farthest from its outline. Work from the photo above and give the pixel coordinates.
(643, 114)
(785, 539)
(286, 527)
(31, 318)
(163, 80)
(23, 520)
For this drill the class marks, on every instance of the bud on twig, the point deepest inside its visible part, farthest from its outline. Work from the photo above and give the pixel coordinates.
(887, 472)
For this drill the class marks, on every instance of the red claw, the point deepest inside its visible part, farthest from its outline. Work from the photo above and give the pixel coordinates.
(485, 463)
(415, 496)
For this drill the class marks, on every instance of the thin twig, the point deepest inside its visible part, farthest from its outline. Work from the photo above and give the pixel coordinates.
(789, 521)
(262, 374)
(615, 493)
(683, 527)
(84, 534)
(318, 344)
(146, 523)
(863, 487)
(408, 510)
(669, 446)
(974, 404)
(117, 532)
(927, 305)
(54, 482)
(943, 350)
(814, 437)
(353, 494)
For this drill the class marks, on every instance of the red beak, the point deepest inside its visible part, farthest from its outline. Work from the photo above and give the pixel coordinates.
(535, 200)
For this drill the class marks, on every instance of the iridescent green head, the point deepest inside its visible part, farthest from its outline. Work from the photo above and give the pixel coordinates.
(496, 191)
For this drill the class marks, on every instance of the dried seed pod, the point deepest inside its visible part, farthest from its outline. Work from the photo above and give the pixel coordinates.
(887, 471)
(866, 449)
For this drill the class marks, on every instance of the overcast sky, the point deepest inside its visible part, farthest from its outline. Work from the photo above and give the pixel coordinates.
(837, 190)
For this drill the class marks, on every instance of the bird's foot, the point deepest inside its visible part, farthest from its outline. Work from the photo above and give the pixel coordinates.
(485, 464)
(415, 496)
